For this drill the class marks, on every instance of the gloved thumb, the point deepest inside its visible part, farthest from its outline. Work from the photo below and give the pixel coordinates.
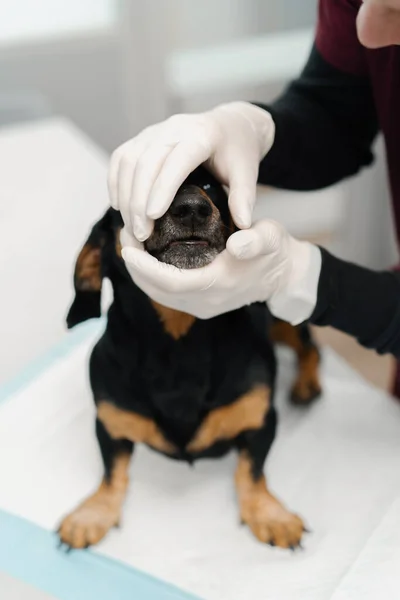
(129, 241)
(264, 237)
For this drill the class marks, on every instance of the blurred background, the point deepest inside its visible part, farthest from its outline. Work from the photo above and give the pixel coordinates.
(77, 78)
(113, 66)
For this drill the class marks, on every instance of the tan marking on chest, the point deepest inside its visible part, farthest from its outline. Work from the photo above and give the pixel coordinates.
(175, 323)
(122, 424)
(227, 422)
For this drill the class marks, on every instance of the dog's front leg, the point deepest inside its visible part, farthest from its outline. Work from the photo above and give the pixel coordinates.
(99, 513)
(266, 516)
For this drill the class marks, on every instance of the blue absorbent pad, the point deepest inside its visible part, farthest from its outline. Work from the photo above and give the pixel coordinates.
(29, 553)
(337, 465)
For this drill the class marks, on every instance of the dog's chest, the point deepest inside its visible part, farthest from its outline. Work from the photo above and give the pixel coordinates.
(208, 367)
(177, 375)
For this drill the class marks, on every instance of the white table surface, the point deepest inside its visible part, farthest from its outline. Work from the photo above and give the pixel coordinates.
(52, 187)
(336, 464)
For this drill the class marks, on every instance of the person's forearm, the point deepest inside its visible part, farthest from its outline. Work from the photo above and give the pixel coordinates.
(362, 303)
(325, 125)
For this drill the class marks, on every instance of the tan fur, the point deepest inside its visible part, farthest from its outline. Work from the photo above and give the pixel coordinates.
(118, 245)
(227, 422)
(88, 270)
(267, 518)
(284, 333)
(175, 323)
(94, 518)
(307, 384)
(122, 424)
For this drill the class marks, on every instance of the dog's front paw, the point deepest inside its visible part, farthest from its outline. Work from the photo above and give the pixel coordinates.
(272, 523)
(305, 391)
(307, 387)
(88, 524)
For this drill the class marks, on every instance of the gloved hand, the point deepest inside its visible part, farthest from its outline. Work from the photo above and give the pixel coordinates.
(263, 263)
(146, 172)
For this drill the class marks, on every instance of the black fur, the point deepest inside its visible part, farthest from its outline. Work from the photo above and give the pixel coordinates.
(139, 367)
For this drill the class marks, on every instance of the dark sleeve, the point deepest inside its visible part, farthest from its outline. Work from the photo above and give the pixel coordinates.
(325, 125)
(363, 303)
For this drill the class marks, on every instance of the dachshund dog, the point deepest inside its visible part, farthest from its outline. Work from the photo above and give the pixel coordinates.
(185, 387)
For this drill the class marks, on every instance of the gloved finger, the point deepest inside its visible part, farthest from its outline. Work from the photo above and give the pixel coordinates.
(147, 170)
(167, 278)
(112, 178)
(263, 238)
(129, 240)
(126, 175)
(180, 302)
(122, 165)
(242, 191)
(185, 157)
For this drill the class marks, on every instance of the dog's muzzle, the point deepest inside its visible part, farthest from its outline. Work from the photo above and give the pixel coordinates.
(191, 233)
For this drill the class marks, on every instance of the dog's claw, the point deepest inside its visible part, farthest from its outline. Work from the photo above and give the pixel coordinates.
(63, 547)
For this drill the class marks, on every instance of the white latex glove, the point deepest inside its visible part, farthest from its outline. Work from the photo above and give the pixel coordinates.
(263, 263)
(146, 172)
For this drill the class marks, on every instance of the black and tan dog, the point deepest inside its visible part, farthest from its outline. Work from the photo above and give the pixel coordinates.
(187, 388)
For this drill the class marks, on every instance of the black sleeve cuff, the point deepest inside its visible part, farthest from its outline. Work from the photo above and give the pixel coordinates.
(362, 303)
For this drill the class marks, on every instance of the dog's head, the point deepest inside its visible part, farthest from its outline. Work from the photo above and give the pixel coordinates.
(196, 227)
(190, 235)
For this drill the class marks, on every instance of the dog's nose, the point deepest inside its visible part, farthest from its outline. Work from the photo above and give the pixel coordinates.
(191, 210)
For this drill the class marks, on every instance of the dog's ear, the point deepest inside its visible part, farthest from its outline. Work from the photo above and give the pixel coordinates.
(90, 269)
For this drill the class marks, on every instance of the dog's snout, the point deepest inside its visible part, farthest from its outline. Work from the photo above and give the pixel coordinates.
(192, 232)
(191, 210)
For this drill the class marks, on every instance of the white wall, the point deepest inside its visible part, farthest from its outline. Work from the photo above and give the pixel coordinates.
(101, 61)
(367, 234)
(78, 77)
(107, 75)
(28, 20)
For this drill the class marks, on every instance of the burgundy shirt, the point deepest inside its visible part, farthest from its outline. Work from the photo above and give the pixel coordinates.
(338, 44)
(326, 122)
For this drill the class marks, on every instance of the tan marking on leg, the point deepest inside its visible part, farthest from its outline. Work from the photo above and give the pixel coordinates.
(175, 323)
(94, 518)
(307, 384)
(122, 424)
(284, 333)
(267, 518)
(227, 422)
